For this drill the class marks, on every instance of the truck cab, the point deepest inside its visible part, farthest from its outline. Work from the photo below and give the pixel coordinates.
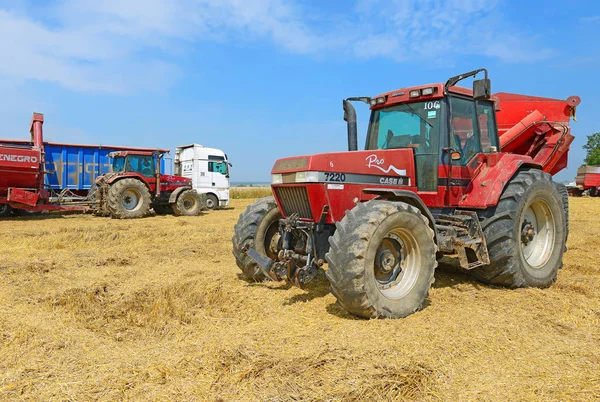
(208, 168)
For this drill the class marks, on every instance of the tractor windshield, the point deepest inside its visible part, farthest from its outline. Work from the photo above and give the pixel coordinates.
(142, 164)
(407, 125)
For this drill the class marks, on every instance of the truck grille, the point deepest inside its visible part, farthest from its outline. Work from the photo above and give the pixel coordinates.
(294, 200)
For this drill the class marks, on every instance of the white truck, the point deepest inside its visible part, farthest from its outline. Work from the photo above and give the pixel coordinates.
(209, 170)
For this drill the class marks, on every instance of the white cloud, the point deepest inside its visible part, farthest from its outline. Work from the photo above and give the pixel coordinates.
(593, 18)
(123, 46)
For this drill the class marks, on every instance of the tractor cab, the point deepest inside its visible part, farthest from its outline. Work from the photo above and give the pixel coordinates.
(441, 123)
(146, 164)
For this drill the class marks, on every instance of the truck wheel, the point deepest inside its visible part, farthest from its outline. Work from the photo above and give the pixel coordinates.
(128, 199)
(5, 210)
(258, 227)
(212, 202)
(526, 235)
(189, 203)
(382, 260)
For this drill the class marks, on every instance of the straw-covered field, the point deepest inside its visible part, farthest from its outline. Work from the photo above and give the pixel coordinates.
(153, 309)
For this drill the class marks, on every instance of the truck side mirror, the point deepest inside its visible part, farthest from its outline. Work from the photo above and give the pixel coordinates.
(482, 89)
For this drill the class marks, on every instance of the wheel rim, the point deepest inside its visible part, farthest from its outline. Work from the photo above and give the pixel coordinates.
(538, 230)
(189, 203)
(131, 199)
(397, 264)
(210, 203)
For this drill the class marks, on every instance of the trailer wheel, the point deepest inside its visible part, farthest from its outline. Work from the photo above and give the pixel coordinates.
(526, 235)
(189, 203)
(5, 210)
(382, 260)
(212, 202)
(128, 199)
(258, 227)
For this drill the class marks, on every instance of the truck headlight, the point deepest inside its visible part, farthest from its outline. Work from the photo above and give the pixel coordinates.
(276, 179)
(303, 177)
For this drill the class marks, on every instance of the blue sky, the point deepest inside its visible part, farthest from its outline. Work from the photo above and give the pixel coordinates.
(264, 79)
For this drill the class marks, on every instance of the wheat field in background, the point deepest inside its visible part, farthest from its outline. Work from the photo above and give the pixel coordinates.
(154, 309)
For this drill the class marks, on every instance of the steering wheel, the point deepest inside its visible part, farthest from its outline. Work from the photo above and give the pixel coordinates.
(147, 172)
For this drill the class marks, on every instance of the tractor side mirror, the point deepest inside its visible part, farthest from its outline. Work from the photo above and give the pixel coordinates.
(482, 89)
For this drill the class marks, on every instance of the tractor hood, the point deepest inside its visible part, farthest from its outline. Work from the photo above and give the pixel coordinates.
(374, 167)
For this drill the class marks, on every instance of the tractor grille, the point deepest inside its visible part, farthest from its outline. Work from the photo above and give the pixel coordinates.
(294, 200)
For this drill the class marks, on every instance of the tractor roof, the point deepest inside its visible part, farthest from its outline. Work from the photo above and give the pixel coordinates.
(403, 94)
(138, 153)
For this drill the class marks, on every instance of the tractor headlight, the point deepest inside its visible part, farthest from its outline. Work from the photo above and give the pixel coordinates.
(303, 177)
(276, 178)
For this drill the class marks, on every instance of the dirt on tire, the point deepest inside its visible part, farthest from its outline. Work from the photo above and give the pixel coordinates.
(503, 232)
(122, 197)
(354, 250)
(254, 228)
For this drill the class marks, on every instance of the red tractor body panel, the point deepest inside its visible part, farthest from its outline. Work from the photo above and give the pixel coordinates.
(533, 132)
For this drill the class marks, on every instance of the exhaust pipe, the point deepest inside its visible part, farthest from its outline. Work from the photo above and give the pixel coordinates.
(350, 118)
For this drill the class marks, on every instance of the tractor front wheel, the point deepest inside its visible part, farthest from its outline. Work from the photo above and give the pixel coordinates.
(382, 260)
(526, 236)
(128, 199)
(257, 227)
(189, 203)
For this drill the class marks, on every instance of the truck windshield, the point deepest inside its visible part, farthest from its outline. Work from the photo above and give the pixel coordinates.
(407, 125)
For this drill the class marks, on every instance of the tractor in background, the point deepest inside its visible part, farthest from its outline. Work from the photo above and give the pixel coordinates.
(446, 170)
(135, 185)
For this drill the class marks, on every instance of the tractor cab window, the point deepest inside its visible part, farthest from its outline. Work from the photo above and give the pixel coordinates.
(118, 164)
(487, 126)
(408, 125)
(463, 126)
(142, 164)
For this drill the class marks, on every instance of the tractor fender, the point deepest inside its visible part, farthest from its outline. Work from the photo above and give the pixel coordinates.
(487, 186)
(176, 192)
(392, 194)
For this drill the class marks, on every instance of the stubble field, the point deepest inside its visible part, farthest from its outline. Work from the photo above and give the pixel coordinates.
(154, 309)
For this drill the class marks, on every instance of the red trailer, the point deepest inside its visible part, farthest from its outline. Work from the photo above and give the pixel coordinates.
(587, 180)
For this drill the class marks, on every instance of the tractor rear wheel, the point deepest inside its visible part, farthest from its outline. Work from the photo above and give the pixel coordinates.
(257, 227)
(128, 199)
(526, 235)
(382, 260)
(189, 203)
(5, 210)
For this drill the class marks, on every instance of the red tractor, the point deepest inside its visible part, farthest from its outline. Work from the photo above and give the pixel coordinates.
(432, 181)
(135, 185)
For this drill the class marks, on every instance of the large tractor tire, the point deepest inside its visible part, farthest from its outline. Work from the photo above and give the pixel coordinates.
(382, 260)
(128, 199)
(257, 227)
(212, 202)
(564, 193)
(189, 203)
(5, 210)
(526, 235)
